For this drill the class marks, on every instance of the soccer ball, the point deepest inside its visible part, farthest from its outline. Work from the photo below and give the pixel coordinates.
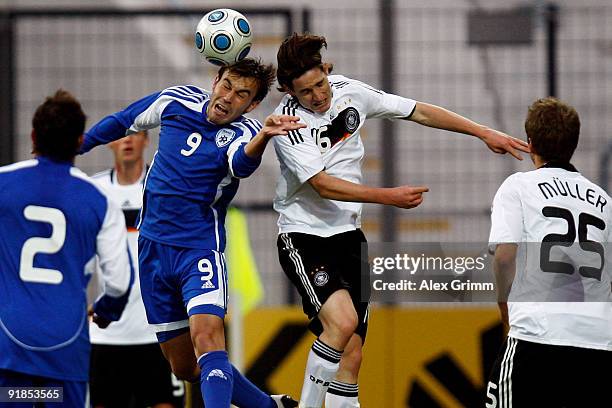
(223, 36)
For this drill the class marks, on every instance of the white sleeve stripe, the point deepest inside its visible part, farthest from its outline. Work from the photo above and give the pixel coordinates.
(191, 92)
(232, 151)
(245, 130)
(112, 250)
(19, 165)
(185, 91)
(74, 172)
(255, 123)
(111, 244)
(151, 117)
(250, 127)
(175, 94)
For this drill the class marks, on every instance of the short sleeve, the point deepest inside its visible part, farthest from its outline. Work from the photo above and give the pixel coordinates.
(299, 154)
(507, 213)
(382, 105)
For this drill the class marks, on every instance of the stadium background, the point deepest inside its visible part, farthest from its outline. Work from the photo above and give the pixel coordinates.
(109, 59)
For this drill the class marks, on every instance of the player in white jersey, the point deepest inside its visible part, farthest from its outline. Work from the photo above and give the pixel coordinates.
(552, 230)
(319, 198)
(127, 365)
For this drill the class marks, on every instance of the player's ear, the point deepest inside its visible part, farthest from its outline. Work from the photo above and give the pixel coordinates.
(288, 90)
(33, 137)
(216, 81)
(251, 106)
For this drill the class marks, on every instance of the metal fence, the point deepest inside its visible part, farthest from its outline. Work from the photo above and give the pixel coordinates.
(109, 58)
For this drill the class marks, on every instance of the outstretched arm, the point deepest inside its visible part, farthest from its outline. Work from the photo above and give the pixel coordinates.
(334, 188)
(440, 118)
(140, 115)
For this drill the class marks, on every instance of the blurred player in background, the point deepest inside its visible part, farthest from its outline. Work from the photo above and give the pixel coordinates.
(319, 198)
(128, 368)
(205, 147)
(55, 220)
(552, 228)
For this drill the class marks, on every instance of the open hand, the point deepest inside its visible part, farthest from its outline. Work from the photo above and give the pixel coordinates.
(502, 143)
(281, 125)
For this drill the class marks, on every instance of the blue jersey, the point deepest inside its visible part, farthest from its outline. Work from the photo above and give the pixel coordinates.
(195, 171)
(54, 222)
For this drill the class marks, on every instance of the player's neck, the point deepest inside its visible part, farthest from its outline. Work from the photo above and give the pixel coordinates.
(129, 173)
(537, 161)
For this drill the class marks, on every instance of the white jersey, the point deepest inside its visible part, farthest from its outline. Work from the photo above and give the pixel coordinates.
(330, 142)
(132, 328)
(561, 292)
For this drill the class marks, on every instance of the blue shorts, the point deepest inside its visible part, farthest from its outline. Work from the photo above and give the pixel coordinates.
(179, 282)
(75, 393)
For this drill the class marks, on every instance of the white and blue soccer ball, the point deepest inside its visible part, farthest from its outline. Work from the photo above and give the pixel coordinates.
(223, 36)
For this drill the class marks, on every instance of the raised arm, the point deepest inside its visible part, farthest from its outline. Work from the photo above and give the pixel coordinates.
(140, 115)
(244, 156)
(274, 125)
(440, 118)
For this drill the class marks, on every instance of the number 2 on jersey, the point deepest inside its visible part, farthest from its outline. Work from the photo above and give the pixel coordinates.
(567, 240)
(27, 271)
(193, 141)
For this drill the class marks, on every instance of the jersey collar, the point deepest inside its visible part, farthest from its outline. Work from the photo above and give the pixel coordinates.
(141, 179)
(560, 165)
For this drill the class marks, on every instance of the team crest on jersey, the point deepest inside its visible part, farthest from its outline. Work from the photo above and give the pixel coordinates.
(224, 136)
(351, 120)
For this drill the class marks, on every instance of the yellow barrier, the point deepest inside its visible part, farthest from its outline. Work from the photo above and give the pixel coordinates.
(413, 356)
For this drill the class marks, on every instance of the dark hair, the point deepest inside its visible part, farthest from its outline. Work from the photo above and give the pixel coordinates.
(58, 125)
(552, 127)
(296, 55)
(253, 68)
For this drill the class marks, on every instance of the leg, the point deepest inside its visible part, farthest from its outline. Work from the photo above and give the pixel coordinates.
(339, 320)
(216, 376)
(179, 353)
(206, 313)
(110, 380)
(189, 325)
(306, 260)
(526, 374)
(159, 388)
(343, 392)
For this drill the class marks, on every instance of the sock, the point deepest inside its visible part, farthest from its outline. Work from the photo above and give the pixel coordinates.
(247, 395)
(216, 379)
(323, 363)
(342, 395)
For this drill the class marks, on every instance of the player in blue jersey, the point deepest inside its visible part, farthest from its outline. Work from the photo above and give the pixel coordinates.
(54, 222)
(205, 146)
